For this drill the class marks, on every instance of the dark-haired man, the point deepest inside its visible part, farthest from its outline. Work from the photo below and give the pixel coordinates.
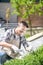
(14, 39)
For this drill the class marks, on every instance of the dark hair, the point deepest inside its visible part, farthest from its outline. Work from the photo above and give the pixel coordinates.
(24, 23)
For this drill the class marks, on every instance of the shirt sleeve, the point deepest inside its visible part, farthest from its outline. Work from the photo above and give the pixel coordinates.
(7, 35)
(24, 42)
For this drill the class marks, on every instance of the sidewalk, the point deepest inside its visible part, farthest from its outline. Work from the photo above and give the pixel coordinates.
(36, 40)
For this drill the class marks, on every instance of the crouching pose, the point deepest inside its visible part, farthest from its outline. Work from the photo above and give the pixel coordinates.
(14, 43)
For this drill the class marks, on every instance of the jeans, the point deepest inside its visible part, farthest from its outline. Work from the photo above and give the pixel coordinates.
(3, 57)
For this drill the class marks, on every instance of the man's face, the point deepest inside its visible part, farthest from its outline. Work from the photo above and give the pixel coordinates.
(21, 28)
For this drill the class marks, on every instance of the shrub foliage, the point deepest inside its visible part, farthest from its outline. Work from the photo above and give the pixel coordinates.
(34, 58)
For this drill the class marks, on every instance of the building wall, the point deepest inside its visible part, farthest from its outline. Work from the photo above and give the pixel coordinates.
(37, 21)
(3, 7)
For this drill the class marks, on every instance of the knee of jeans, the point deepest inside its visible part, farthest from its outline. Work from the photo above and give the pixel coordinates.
(2, 57)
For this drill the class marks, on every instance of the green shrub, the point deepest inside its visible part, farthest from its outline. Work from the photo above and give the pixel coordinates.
(34, 58)
(15, 62)
(27, 35)
(31, 60)
(39, 54)
(28, 60)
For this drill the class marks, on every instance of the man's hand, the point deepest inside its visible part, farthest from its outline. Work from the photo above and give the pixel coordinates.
(14, 48)
(29, 48)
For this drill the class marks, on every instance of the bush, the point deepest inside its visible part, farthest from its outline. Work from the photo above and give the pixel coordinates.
(31, 60)
(34, 58)
(15, 62)
(28, 60)
(27, 35)
(39, 54)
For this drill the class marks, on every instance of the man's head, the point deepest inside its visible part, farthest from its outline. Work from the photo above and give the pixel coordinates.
(21, 27)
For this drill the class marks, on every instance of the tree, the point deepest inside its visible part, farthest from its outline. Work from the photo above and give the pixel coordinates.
(7, 16)
(25, 8)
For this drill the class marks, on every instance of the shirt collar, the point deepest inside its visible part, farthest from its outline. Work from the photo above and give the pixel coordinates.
(13, 31)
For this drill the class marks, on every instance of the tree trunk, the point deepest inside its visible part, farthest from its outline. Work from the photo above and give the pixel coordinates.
(30, 26)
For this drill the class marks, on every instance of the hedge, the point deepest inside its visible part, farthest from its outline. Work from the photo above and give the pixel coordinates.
(34, 58)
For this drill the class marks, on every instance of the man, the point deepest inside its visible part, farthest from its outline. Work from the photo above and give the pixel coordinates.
(14, 41)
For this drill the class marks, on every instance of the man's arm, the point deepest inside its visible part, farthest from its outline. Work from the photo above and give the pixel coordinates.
(6, 37)
(25, 44)
(5, 44)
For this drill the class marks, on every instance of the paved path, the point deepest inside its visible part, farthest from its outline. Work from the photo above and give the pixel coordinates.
(36, 43)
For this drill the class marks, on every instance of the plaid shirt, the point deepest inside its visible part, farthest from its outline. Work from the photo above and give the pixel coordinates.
(10, 36)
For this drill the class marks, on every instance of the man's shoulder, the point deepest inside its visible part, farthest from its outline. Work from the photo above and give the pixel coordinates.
(8, 32)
